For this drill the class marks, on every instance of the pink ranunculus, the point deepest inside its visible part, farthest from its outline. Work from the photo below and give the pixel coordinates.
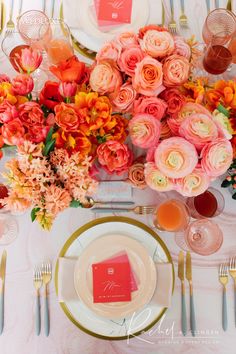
(4, 78)
(30, 59)
(150, 105)
(37, 133)
(174, 99)
(157, 44)
(114, 157)
(110, 51)
(182, 47)
(30, 113)
(150, 156)
(8, 112)
(13, 132)
(129, 58)
(22, 84)
(144, 130)
(193, 184)
(175, 70)
(105, 78)
(148, 76)
(127, 39)
(199, 130)
(124, 98)
(176, 157)
(68, 89)
(156, 180)
(217, 157)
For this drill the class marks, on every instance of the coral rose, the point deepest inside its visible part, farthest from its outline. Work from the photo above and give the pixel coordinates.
(22, 84)
(176, 157)
(31, 114)
(105, 78)
(156, 180)
(69, 70)
(68, 117)
(50, 95)
(136, 175)
(157, 44)
(129, 58)
(30, 59)
(114, 157)
(8, 112)
(124, 98)
(193, 184)
(144, 130)
(150, 105)
(148, 76)
(175, 70)
(182, 48)
(174, 100)
(216, 157)
(110, 51)
(13, 132)
(126, 39)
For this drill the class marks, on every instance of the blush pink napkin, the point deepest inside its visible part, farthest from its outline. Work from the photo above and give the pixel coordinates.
(66, 290)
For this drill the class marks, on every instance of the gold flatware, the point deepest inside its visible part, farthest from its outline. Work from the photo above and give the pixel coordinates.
(183, 20)
(46, 275)
(172, 24)
(53, 6)
(1, 16)
(10, 23)
(2, 288)
(223, 279)
(90, 202)
(232, 272)
(183, 304)
(229, 5)
(37, 284)
(189, 278)
(163, 15)
(140, 210)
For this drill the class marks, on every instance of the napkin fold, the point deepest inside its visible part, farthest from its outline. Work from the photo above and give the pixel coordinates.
(66, 289)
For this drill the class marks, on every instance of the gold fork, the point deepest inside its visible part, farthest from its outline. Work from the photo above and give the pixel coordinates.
(10, 24)
(46, 275)
(172, 24)
(183, 21)
(141, 210)
(37, 285)
(232, 272)
(223, 278)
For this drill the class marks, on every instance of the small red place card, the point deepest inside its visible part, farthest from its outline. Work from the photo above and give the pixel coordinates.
(111, 282)
(114, 10)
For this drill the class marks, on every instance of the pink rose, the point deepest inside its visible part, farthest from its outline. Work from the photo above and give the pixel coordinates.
(13, 132)
(114, 157)
(156, 180)
(129, 58)
(136, 174)
(8, 112)
(22, 84)
(30, 113)
(174, 100)
(127, 39)
(124, 98)
(175, 70)
(144, 130)
(182, 48)
(148, 76)
(105, 78)
(193, 184)
(110, 51)
(68, 89)
(176, 157)
(199, 130)
(157, 44)
(216, 157)
(150, 105)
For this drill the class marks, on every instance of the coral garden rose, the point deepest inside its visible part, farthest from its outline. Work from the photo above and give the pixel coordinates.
(67, 117)
(8, 112)
(156, 180)
(181, 47)
(114, 157)
(174, 99)
(193, 184)
(216, 157)
(144, 130)
(175, 70)
(176, 157)
(148, 77)
(68, 89)
(126, 39)
(30, 59)
(110, 51)
(50, 95)
(22, 84)
(124, 98)
(129, 58)
(13, 132)
(157, 44)
(136, 175)
(30, 113)
(150, 105)
(199, 130)
(69, 70)
(105, 78)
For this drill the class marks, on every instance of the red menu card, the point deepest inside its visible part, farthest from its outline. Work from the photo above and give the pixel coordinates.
(114, 10)
(111, 282)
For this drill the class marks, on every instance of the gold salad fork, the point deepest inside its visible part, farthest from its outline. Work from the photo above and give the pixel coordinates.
(46, 275)
(140, 210)
(10, 24)
(37, 284)
(172, 24)
(223, 278)
(183, 21)
(232, 272)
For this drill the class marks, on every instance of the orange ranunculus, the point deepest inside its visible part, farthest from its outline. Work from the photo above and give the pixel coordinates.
(69, 70)
(72, 141)
(68, 117)
(6, 92)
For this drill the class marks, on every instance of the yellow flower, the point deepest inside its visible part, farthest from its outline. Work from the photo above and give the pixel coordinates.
(6, 93)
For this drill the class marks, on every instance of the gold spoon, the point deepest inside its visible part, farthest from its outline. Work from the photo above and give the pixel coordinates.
(91, 203)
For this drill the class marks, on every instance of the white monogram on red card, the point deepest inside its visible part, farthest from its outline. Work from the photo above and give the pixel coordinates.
(113, 11)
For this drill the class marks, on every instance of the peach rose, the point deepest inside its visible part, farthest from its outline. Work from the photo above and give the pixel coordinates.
(174, 100)
(129, 58)
(156, 180)
(148, 76)
(144, 130)
(124, 98)
(127, 39)
(8, 112)
(182, 48)
(175, 70)
(110, 51)
(105, 78)
(176, 157)
(150, 105)
(67, 117)
(157, 44)
(22, 84)
(217, 157)
(199, 130)
(30, 113)
(13, 132)
(193, 184)
(136, 175)
(114, 157)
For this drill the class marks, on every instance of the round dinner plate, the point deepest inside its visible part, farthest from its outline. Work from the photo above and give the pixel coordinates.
(141, 263)
(85, 318)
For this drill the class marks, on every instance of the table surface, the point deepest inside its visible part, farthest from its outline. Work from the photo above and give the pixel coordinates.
(34, 245)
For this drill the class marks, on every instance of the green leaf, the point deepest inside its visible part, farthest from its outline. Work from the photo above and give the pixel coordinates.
(34, 213)
(101, 139)
(49, 135)
(75, 203)
(234, 196)
(223, 110)
(226, 183)
(48, 147)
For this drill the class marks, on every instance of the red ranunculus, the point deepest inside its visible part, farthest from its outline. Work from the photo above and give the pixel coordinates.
(50, 95)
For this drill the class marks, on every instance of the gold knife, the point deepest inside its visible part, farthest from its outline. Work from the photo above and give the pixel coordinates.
(183, 304)
(229, 5)
(2, 288)
(189, 278)
(1, 16)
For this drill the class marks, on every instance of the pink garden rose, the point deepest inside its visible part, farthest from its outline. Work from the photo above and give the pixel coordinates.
(150, 156)
(148, 77)
(150, 105)
(114, 157)
(199, 130)
(127, 39)
(144, 130)
(13, 132)
(30, 113)
(217, 157)
(176, 157)
(157, 44)
(175, 70)
(105, 78)
(156, 180)
(124, 98)
(110, 51)
(181, 47)
(8, 112)
(193, 184)
(22, 84)
(174, 100)
(129, 58)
